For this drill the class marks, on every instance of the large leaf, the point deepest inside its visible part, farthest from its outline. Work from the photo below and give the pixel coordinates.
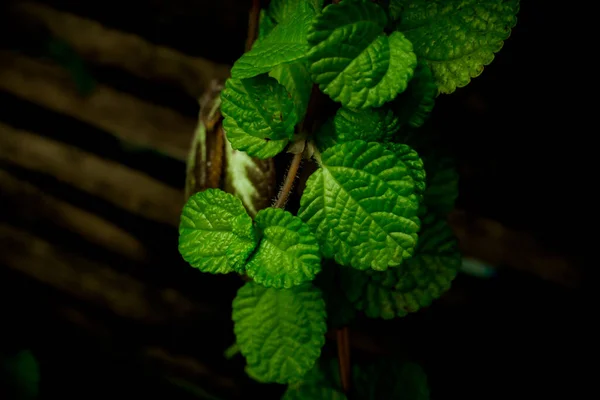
(216, 234)
(414, 105)
(372, 125)
(286, 43)
(362, 205)
(414, 284)
(250, 179)
(456, 38)
(279, 331)
(353, 60)
(296, 79)
(287, 255)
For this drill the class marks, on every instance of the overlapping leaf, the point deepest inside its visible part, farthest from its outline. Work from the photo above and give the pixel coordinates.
(414, 284)
(414, 163)
(295, 77)
(353, 60)
(456, 38)
(279, 331)
(362, 205)
(216, 234)
(413, 107)
(287, 255)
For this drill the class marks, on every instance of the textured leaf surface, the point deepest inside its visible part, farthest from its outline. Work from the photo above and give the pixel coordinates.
(279, 331)
(371, 125)
(416, 283)
(414, 105)
(259, 106)
(250, 179)
(362, 206)
(457, 38)
(284, 10)
(287, 255)
(353, 60)
(391, 379)
(286, 43)
(296, 79)
(255, 147)
(412, 160)
(265, 25)
(216, 234)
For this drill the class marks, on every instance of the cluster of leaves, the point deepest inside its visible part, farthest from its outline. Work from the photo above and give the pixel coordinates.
(371, 232)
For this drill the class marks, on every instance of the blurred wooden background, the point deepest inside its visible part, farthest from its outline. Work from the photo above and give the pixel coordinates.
(97, 109)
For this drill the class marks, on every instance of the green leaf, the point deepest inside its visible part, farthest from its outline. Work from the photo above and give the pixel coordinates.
(416, 283)
(412, 160)
(286, 43)
(284, 10)
(457, 38)
(250, 179)
(216, 234)
(296, 79)
(362, 205)
(414, 105)
(260, 106)
(322, 382)
(287, 255)
(255, 147)
(340, 311)
(391, 379)
(371, 124)
(442, 183)
(265, 25)
(313, 391)
(279, 331)
(353, 60)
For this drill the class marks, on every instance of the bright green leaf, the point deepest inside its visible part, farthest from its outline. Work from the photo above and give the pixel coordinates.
(255, 147)
(296, 79)
(371, 124)
(391, 379)
(412, 160)
(265, 25)
(288, 253)
(284, 10)
(216, 234)
(362, 205)
(414, 105)
(286, 43)
(279, 331)
(457, 38)
(414, 284)
(353, 60)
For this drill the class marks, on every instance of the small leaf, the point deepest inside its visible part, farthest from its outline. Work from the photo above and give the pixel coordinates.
(391, 379)
(288, 253)
(414, 163)
(353, 60)
(456, 38)
(414, 105)
(216, 234)
(260, 106)
(362, 205)
(255, 147)
(296, 79)
(279, 331)
(250, 179)
(372, 125)
(416, 283)
(286, 43)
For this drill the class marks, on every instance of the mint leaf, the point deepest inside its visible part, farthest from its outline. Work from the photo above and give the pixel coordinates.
(412, 160)
(286, 43)
(414, 284)
(265, 25)
(353, 61)
(284, 10)
(215, 234)
(296, 79)
(288, 253)
(260, 106)
(371, 124)
(391, 379)
(321, 382)
(279, 331)
(250, 179)
(255, 147)
(457, 38)
(362, 206)
(414, 105)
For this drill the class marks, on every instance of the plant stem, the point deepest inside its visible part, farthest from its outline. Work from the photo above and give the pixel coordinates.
(290, 177)
(253, 20)
(343, 348)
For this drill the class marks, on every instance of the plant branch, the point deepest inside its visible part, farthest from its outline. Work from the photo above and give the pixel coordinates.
(290, 177)
(343, 348)
(253, 20)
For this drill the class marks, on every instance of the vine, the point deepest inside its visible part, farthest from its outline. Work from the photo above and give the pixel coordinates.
(349, 86)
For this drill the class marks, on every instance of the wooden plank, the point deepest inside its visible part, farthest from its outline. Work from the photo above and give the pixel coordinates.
(30, 203)
(109, 47)
(126, 117)
(124, 187)
(93, 282)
